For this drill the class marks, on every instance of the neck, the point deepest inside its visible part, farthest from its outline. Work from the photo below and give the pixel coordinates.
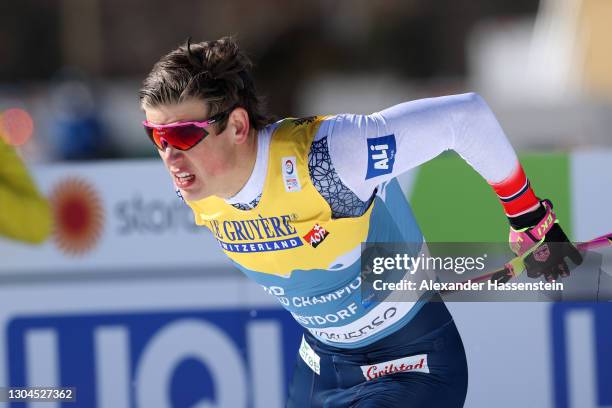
(246, 156)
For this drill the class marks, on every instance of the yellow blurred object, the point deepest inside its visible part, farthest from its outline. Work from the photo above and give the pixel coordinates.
(595, 32)
(24, 213)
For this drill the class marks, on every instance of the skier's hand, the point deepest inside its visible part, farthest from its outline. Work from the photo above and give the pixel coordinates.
(540, 233)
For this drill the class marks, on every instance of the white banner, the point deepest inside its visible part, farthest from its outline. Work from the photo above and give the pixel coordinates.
(115, 214)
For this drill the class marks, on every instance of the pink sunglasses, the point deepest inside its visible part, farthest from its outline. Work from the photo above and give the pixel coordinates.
(180, 135)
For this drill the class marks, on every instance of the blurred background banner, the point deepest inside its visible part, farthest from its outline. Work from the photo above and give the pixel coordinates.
(149, 343)
(135, 306)
(113, 215)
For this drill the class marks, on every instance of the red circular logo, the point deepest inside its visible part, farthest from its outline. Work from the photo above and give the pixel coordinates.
(78, 216)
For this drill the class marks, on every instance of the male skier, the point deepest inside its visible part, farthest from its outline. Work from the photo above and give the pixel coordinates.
(290, 203)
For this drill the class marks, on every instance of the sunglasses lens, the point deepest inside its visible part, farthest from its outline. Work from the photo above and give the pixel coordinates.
(179, 137)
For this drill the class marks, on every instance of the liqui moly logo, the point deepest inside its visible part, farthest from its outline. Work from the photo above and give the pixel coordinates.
(381, 155)
(416, 363)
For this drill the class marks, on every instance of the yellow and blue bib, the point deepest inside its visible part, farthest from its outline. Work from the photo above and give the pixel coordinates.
(291, 245)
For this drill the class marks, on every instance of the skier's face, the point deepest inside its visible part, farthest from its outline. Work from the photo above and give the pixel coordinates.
(208, 168)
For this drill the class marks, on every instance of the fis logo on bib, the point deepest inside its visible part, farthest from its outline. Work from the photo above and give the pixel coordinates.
(316, 235)
(290, 174)
(381, 155)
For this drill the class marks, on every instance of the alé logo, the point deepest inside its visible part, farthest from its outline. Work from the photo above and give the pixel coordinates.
(215, 359)
(582, 366)
(381, 155)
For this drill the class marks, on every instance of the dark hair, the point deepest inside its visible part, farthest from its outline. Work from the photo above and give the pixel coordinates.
(217, 72)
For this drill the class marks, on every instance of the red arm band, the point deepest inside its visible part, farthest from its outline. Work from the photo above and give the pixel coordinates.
(515, 193)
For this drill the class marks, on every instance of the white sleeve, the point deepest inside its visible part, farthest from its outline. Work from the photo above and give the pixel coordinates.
(369, 149)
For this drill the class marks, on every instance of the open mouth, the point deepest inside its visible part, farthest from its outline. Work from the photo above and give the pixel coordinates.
(184, 179)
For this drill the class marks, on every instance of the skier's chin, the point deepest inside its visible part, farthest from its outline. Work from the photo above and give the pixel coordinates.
(195, 191)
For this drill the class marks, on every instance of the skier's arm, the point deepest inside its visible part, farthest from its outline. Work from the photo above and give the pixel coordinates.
(367, 150)
(421, 130)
